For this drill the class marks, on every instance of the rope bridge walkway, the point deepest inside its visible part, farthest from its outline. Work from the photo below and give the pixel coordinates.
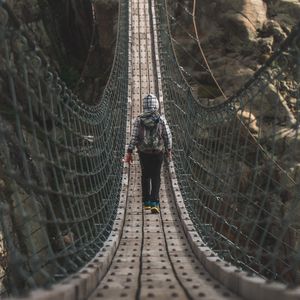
(71, 213)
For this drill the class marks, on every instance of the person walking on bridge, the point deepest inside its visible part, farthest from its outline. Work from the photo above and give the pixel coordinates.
(152, 137)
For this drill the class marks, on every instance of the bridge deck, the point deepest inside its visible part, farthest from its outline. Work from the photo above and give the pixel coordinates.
(154, 259)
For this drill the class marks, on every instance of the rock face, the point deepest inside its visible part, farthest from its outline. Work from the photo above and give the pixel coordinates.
(63, 32)
(241, 18)
(83, 59)
(30, 13)
(106, 12)
(98, 65)
(236, 36)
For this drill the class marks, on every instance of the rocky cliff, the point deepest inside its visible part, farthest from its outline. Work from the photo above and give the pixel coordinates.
(236, 36)
(77, 37)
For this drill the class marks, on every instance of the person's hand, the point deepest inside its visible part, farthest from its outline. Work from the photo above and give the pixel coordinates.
(128, 158)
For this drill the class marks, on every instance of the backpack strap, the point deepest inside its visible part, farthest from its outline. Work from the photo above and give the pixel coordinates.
(141, 131)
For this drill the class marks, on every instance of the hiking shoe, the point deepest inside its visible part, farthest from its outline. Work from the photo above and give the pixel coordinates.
(147, 205)
(155, 207)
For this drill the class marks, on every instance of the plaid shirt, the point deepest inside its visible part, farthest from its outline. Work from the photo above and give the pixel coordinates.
(166, 134)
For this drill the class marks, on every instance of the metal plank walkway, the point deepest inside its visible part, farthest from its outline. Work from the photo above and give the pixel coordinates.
(154, 259)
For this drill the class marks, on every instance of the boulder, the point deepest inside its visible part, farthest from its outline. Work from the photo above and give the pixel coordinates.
(230, 73)
(273, 29)
(269, 104)
(287, 12)
(288, 139)
(249, 120)
(238, 17)
(237, 24)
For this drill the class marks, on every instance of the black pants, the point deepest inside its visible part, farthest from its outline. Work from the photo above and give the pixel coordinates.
(151, 166)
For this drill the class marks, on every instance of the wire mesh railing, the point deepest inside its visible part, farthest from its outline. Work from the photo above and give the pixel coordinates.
(60, 161)
(238, 162)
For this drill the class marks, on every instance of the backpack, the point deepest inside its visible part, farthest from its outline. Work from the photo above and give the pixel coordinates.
(150, 133)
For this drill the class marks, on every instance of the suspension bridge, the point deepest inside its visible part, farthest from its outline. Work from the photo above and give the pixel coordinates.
(72, 224)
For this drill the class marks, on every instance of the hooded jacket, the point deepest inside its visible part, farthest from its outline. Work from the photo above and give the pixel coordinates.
(150, 107)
